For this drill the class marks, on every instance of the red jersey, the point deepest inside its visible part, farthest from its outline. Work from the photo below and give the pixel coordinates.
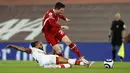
(49, 22)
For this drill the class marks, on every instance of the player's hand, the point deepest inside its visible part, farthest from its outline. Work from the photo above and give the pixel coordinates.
(109, 39)
(9, 46)
(68, 20)
(65, 27)
(124, 39)
(109, 36)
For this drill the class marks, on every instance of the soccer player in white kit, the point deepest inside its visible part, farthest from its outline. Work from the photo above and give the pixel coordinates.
(46, 60)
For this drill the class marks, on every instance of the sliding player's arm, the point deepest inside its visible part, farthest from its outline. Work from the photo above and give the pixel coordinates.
(19, 48)
(64, 18)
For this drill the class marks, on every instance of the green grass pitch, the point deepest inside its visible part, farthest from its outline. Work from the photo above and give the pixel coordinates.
(32, 67)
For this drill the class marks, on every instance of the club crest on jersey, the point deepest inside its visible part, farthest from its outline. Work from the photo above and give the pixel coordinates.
(50, 15)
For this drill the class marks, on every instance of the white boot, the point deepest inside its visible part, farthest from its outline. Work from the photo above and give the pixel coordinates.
(88, 64)
(84, 60)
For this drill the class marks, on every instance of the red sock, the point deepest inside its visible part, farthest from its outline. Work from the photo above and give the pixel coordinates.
(75, 50)
(57, 60)
(77, 62)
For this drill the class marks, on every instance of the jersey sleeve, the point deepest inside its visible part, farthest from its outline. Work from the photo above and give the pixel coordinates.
(124, 26)
(62, 17)
(112, 25)
(29, 51)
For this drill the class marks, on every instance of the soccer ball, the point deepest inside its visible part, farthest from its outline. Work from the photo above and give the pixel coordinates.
(108, 63)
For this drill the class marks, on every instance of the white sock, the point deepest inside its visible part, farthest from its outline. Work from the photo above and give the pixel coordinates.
(75, 62)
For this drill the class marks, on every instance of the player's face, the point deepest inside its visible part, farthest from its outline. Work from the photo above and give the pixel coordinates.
(39, 44)
(117, 16)
(60, 11)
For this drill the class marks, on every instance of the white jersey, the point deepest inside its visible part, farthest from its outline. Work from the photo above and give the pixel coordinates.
(41, 57)
(37, 53)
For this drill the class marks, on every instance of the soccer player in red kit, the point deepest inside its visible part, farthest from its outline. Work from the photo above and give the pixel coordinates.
(53, 33)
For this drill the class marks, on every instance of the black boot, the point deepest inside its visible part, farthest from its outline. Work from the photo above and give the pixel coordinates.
(121, 59)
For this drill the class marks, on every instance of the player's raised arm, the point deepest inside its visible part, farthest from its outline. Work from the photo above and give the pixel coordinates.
(64, 18)
(19, 48)
(54, 24)
(65, 27)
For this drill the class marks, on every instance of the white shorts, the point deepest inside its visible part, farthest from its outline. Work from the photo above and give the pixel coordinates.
(47, 60)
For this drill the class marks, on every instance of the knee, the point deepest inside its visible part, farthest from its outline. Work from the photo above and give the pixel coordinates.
(57, 49)
(68, 42)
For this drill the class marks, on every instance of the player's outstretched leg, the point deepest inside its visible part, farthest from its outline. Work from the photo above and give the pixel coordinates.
(57, 50)
(62, 60)
(78, 62)
(74, 48)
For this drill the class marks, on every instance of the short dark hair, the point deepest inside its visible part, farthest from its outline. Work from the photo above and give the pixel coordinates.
(34, 43)
(59, 5)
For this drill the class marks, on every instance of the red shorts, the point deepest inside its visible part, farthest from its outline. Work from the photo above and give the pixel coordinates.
(53, 39)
